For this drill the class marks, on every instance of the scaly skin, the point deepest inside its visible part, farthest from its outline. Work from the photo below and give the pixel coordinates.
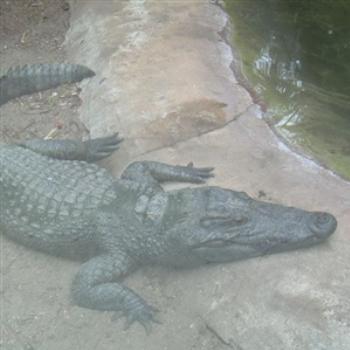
(32, 78)
(52, 199)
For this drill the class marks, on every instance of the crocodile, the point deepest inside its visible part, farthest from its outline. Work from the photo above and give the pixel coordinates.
(54, 199)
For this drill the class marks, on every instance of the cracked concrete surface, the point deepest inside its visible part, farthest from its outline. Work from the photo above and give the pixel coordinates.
(163, 71)
(164, 81)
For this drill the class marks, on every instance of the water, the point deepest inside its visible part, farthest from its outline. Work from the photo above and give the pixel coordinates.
(296, 55)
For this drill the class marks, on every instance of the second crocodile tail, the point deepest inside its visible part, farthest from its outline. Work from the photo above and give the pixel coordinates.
(27, 79)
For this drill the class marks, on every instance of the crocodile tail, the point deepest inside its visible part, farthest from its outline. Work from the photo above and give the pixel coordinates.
(23, 80)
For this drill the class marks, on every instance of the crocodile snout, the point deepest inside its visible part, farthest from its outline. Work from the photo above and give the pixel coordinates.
(322, 224)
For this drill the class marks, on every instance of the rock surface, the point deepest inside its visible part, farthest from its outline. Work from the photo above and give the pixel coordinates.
(164, 81)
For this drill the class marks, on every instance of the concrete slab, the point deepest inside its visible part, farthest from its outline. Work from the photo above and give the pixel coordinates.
(162, 70)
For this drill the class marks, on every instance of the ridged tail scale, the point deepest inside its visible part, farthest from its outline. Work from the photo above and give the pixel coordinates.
(23, 80)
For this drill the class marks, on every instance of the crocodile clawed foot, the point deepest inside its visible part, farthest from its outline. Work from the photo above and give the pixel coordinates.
(198, 175)
(102, 147)
(145, 314)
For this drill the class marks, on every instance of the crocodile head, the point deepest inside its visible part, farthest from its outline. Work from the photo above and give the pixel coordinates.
(214, 225)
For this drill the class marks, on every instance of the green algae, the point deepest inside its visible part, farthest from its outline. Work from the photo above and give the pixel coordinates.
(296, 55)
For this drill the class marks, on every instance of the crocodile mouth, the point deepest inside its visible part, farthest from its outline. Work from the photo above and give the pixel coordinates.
(317, 228)
(221, 251)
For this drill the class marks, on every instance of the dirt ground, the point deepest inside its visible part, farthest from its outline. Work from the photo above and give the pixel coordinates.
(31, 32)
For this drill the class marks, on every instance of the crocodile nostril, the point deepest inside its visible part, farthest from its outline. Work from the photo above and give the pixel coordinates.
(323, 224)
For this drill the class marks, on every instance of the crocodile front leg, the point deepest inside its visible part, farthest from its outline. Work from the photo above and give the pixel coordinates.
(155, 173)
(96, 286)
(90, 150)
